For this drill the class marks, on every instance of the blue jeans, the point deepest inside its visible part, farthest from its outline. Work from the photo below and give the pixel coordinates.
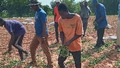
(76, 56)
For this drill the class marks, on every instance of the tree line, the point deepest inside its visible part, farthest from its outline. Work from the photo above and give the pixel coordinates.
(20, 8)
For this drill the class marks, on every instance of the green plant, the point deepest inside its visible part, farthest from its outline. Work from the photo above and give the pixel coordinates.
(118, 64)
(97, 60)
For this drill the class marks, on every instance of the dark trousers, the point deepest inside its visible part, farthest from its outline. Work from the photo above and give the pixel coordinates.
(85, 23)
(76, 56)
(18, 44)
(100, 34)
(56, 31)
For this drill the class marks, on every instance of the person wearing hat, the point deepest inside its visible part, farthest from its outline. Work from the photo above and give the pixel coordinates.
(41, 34)
(56, 18)
(85, 13)
(17, 32)
(101, 21)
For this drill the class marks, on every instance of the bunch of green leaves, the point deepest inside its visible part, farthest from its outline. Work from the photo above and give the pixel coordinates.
(64, 52)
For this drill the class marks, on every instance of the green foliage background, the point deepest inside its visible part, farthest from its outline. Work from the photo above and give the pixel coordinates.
(20, 8)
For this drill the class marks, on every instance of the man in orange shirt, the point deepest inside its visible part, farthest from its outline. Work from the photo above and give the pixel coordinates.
(71, 30)
(56, 17)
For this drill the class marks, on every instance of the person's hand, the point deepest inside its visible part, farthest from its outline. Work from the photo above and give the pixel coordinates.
(67, 43)
(43, 39)
(95, 25)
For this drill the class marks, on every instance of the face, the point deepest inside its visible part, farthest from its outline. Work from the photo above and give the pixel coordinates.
(57, 3)
(95, 4)
(34, 7)
(63, 14)
(86, 3)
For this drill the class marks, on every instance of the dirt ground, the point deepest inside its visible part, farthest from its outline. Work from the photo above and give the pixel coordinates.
(109, 57)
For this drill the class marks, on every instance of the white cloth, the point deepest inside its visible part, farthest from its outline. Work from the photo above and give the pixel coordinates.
(118, 32)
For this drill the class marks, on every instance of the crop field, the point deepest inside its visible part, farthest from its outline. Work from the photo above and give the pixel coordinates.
(107, 56)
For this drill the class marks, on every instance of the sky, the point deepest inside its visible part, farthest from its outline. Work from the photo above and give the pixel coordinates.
(47, 2)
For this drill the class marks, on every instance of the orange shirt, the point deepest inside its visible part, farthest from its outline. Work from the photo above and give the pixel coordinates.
(70, 28)
(56, 13)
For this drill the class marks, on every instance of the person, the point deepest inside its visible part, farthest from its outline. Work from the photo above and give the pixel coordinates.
(118, 26)
(56, 17)
(101, 22)
(17, 32)
(71, 30)
(85, 13)
(41, 34)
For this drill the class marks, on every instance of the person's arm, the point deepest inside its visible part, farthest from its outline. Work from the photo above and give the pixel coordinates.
(100, 19)
(74, 38)
(43, 17)
(11, 42)
(102, 13)
(89, 10)
(62, 37)
(44, 29)
(54, 14)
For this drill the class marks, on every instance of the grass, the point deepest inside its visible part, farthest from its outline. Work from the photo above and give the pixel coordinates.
(97, 60)
(94, 61)
(118, 64)
(84, 57)
(11, 64)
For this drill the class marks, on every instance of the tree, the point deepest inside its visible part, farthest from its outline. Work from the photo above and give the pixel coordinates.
(17, 7)
(72, 6)
(111, 6)
(47, 9)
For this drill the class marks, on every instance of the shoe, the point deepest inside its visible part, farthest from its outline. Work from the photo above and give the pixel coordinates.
(97, 46)
(49, 66)
(26, 56)
(103, 43)
(117, 47)
(32, 64)
(57, 42)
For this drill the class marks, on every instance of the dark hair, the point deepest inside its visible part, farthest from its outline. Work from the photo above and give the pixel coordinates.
(62, 7)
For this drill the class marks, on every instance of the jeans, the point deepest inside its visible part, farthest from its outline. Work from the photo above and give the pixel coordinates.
(100, 34)
(56, 31)
(76, 56)
(85, 23)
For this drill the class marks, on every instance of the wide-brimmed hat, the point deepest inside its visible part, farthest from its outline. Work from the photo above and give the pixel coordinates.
(34, 2)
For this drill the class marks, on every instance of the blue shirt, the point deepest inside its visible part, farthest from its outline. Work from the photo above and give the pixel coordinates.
(15, 27)
(40, 17)
(99, 12)
(119, 11)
